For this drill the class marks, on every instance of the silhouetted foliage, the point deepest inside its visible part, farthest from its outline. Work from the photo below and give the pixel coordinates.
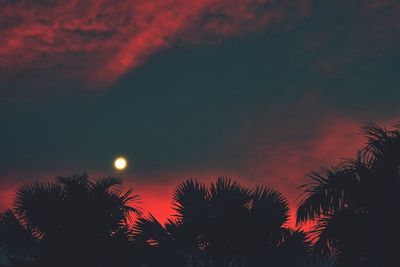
(356, 204)
(78, 222)
(71, 222)
(224, 224)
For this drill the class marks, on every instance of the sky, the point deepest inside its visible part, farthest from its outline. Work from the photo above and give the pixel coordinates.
(263, 91)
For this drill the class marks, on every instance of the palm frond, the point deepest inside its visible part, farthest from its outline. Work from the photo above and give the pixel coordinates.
(75, 185)
(16, 240)
(150, 231)
(328, 192)
(39, 205)
(269, 207)
(381, 141)
(191, 201)
(340, 232)
(107, 184)
(228, 191)
(297, 244)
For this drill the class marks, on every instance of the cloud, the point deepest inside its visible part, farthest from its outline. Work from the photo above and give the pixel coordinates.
(94, 43)
(99, 41)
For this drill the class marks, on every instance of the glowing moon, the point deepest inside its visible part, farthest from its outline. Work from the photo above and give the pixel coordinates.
(120, 163)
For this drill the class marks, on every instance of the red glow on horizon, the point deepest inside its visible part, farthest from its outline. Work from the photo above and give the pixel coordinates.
(6, 197)
(337, 139)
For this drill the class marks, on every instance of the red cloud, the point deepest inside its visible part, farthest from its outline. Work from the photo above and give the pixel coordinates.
(101, 40)
(98, 41)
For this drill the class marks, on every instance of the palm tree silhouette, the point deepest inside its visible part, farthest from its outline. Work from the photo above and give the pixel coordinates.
(71, 222)
(224, 224)
(356, 204)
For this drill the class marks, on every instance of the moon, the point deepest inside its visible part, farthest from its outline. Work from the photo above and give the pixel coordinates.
(120, 163)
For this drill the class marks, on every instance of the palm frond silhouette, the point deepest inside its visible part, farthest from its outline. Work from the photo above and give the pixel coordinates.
(76, 221)
(355, 204)
(224, 224)
(71, 222)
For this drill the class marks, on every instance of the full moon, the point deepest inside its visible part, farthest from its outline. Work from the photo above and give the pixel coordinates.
(120, 163)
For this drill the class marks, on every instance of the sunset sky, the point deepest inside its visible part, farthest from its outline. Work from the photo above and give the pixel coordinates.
(263, 91)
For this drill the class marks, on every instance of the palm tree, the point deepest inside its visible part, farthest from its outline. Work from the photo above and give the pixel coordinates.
(356, 204)
(71, 222)
(224, 224)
